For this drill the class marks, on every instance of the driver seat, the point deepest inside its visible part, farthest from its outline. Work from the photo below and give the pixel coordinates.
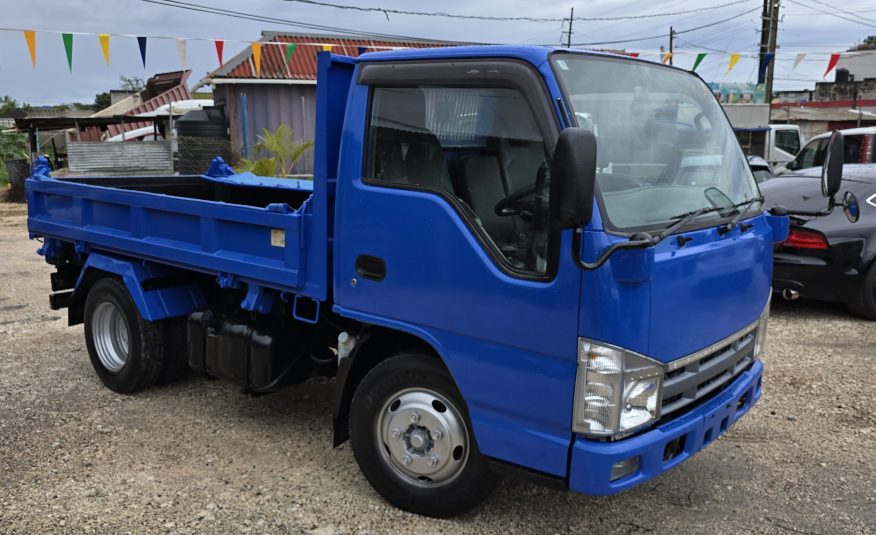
(482, 186)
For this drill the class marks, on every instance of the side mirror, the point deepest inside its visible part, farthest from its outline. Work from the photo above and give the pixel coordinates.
(851, 207)
(832, 169)
(573, 178)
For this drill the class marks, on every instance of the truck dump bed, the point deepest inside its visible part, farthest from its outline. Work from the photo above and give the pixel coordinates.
(240, 227)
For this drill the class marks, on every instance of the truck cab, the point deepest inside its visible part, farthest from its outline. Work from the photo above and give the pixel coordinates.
(515, 260)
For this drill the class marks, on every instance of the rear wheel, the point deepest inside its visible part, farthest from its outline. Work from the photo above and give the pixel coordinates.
(126, 351)
(864, 303)
(413, 441)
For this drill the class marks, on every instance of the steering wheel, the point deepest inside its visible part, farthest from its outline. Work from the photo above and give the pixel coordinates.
(514, 204)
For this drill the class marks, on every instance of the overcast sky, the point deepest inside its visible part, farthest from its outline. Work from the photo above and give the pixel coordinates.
(802, 29)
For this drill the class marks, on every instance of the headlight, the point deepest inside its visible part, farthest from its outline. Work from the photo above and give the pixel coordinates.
(761, 333)
(616, 391)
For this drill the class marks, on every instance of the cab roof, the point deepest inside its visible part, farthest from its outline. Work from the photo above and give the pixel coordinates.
(533, 54)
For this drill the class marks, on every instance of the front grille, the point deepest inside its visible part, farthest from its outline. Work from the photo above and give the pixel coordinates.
(693, 379)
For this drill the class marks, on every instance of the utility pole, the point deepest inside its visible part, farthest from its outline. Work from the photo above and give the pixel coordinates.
(764, 38)
(774, 30)
(671, 38)
(569, 33)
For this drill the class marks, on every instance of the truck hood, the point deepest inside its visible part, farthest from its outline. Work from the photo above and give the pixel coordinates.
(672, 300)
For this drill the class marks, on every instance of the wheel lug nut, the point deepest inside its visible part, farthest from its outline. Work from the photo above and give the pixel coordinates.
(395, 433)
(415, 417)
(437, 434)
(433, 460)
(407, 459)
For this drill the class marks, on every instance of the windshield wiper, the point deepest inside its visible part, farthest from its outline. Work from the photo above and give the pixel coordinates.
(644, 239)
(724, 229)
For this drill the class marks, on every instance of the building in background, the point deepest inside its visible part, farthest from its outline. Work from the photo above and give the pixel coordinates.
(282, 92)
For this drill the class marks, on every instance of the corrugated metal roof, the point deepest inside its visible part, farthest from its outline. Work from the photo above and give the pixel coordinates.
(175, 93)
(302, 64)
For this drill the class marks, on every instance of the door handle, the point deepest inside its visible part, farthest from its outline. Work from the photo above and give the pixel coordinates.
(371, 267)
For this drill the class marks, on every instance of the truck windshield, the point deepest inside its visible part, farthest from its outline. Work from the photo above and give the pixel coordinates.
(663, 143)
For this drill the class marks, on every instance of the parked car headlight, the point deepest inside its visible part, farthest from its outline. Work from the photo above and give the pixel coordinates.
(761, 333)
(616, 391)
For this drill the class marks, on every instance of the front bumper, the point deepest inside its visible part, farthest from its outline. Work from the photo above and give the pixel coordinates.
(590, 470)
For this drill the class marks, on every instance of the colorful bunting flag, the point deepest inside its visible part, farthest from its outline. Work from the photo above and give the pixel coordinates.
(666, 57)
(734, 59)
(68, 48)
(767, 58)
(834, 59)
(220, 45)
(327, 48)
(290, 49)
(104, 45)
(30, 37)
(141, 42)
(181, 52)
(798, 59)
(257, 58)
(700, 57)
(634, 54)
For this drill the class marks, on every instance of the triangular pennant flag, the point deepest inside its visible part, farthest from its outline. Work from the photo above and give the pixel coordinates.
(290, 49)
(734, 59)
(104, 45)
(834, 59)
(181, 52)
(634, 54)
(700, 57)
(666, 57)
(362, 50)
(798, 59)
(30, 37)
(220, 45)
(767, 58)
(327, 48)
(68, 48)
(257, 58)
(141, 42)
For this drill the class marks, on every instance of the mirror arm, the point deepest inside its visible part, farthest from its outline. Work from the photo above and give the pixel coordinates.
(831, 204)
(596, 264)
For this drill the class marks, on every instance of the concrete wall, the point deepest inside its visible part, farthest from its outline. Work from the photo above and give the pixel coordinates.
(861, 64)
(829, 91)
(748, 115)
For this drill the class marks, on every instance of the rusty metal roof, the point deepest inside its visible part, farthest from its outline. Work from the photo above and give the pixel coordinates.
(302, 64)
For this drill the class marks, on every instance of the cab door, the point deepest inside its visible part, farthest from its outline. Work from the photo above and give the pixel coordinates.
(442, 231)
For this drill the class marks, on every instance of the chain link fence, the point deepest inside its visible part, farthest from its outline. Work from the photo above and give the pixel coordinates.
(194, 154)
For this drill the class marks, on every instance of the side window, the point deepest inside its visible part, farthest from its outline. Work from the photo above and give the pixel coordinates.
(809, 156)
(788, 141)
(482, 147)
(852, 149)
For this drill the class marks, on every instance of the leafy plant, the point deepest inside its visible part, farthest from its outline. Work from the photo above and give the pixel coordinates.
(13, 146)
(283, 150)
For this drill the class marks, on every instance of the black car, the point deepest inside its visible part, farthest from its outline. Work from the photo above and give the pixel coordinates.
(826, 258)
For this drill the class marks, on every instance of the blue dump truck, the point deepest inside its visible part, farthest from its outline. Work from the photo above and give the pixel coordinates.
(514, 260)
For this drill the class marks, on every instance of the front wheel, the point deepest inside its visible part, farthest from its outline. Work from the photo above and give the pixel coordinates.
(413, 441)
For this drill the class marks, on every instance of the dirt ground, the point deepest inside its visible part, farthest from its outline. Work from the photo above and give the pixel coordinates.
(200, 457)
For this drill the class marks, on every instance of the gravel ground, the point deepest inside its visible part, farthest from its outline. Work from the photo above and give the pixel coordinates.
(200, 457)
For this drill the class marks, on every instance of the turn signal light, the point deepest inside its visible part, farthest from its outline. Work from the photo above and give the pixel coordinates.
(801, 238)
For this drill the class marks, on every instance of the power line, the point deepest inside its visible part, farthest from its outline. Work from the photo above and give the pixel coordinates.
(663, 36)
(287, 22)
(842, 10)
(832, 14)
(387, 12)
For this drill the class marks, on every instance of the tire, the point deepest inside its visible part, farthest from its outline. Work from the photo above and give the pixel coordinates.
(126, 351)
(864, 303)
(427, 464)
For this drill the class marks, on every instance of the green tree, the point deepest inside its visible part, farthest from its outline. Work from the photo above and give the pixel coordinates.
(7, 104)
(102, 100)
(283, 149)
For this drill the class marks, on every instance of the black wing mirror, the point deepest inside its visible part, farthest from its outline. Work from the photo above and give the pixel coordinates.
(832, 169)
(831, 181)
(573, 178)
